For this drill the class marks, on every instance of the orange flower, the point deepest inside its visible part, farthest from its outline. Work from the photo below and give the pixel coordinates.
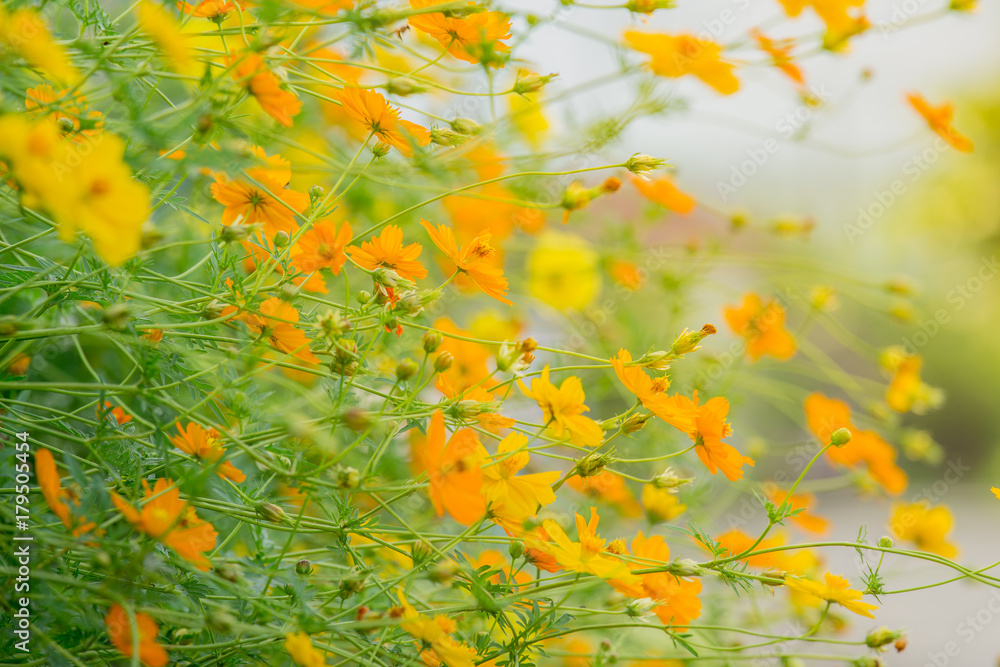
(836, 14)
(708, 430)
(472, 260)
(475, 38)
(675, 410)
(677, 602)
(826, 415)
(115, 411)
(386, 251)
(905, 388)
(939, 120)
(763, 327)
(43, 101)
(627, 274)
(322, 247)
(50, 483)
(662, 191)
(327, 7)
(609, 487)
(780, 51)
(264, 198)
(804, 502)
(371, 114)
(250, 70)
(204, 444)
(469, 367)
(209, 9)
(277, 322)
(676, 55)
(454, 473)
(170, 520)
(563, 408)
(120, 631)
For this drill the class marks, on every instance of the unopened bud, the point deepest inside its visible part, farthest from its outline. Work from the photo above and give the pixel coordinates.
(431, 341)
(592, 464)
(406, 369)
(688, 341)
(885, 542)
(444, 361)
(281, 239)
(352, 585)
(288, 292)
(271, 512)
(465, 126)
(363, 297)
(532, 83)
(303, 568)
(379, 149)
(668, 479)
(641, 164)
(648, 6)
(356, 420)
(402, 86)
(333, 323)
(516, 550)
(878, 638)
(235, 233)
(840, 437)
(443, 571)
(635, 422)
(316, 192)
(348, 478)
(612, 184)
(442, 136)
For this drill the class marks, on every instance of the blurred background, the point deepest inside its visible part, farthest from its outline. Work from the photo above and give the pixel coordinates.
(935, 244)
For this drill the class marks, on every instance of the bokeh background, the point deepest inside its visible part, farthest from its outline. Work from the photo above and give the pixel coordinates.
(937, 241)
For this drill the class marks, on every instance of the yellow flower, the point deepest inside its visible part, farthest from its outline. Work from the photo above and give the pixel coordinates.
(302, 652)
(837, 589)
(676, 55)
(24, 32)
(588, 555)
(925, 526)
(518, 496)
(88, 190)
(563, 271)
(562, 409)
(434, 632)
(661, 504)
(157, 24)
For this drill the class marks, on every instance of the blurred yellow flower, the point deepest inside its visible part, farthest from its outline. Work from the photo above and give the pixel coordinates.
(563, 271)
(660, 504)
(836, 589)
(925, 526)
(676, 55)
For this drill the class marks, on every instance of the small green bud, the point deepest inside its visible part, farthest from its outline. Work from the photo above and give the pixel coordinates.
(271, 512)
(516, 550)
(840, 437)
(281, 239)
(444, 361)
(640, 164)
(432, 340)
(303, 568)
(406, 369)
(885, 542)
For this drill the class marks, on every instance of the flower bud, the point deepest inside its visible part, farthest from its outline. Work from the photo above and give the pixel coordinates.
(431, 341)
(442, 136)
(230, 573)
(640, 164)
(688, 341)
(878, 638)
(406, 369)
(532, 83)
(271, 512)
(333, 323)
(668, 479)
(900, 644)
(281, 239)
(516, 550)
(442, 571)
(316, 192)
(356, 420)
(592, 464)
(465, 126)
(380, 150)
(868, 661)
(348, 478)
(635, 422)
(885, 542)
(403, 86)
(102, 559)
(303, 568)
(612, 184)
(686, 567)
(637, 608)
(352, 585)
(288, 292)
(363, 297)
(648, 6)
(444, 361)
(840, 437)
(236, 233)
